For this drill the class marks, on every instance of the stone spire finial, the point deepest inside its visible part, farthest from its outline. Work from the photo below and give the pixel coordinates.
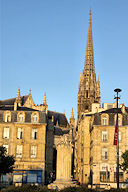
(80, 82)
(30, 91)
(44, 101)
(17, 100)
(72, 114)
(98, 89)
(18, 93)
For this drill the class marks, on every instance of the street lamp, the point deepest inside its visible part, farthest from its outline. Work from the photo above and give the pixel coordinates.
(117, 169)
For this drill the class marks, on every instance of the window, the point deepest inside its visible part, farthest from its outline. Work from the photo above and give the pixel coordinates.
(6, 146)
(34, 118)
(19, 151)
(104, 121)
(19, 133)
(104, 136)
(21, 118)
(119, 121)
(6, 133)
(33, 151)
(34, 133)
(121, 177)
(120, 154)
(104, 154)
(7, 117)
(119, 136)
(105, 176)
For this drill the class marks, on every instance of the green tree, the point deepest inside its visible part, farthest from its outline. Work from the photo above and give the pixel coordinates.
(6, 162)
(124, 165)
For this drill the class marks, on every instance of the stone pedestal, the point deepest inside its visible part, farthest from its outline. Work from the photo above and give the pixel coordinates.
(63, 175)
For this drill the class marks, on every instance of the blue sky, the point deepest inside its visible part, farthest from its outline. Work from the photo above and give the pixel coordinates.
(43, 44)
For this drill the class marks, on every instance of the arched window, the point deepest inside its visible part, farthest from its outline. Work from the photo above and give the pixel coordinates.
(104, 120)
(35, 118)
(7, 117)
(21, 118)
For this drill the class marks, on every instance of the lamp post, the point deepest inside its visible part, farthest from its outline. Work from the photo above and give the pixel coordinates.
(117, 169)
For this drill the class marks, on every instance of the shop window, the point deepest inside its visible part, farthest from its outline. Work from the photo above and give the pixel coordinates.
(6, 147)
(6, 133)
(105, 176)
(121, 177)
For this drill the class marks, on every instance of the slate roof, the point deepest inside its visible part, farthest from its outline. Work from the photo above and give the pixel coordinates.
(58, 131)
(112, 110)
(11, 101)
(60, 117)
(11, 108)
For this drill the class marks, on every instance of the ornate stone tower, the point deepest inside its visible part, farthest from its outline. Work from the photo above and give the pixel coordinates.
(89, 87)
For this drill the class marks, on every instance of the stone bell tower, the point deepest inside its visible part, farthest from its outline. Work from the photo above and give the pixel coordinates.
(89, 87)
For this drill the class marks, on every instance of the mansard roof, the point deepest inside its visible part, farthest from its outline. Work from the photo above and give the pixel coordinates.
(58, 131)
(60, 117)
(12, 100)
(11, 108)
(112, 110)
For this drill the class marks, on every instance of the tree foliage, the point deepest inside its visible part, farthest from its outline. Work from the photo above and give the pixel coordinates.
(6, 162)
(124, 165)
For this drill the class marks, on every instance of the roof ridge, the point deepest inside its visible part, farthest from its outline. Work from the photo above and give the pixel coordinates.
(56, 112)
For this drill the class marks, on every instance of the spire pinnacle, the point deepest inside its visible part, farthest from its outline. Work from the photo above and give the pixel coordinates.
(18, 93)
(89, 89)
(72, 114)
(30, 91)
(97, 77)
(18, 98)
(80, 82)
(44, 101)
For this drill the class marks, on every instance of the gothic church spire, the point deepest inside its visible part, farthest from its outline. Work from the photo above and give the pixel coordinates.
(88, 92)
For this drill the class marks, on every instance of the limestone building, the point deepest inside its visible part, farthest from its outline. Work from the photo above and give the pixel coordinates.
(31, 133)
(95, 153)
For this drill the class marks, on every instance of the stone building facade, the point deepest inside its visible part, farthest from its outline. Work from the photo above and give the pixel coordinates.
(95, 152)
(31, 133)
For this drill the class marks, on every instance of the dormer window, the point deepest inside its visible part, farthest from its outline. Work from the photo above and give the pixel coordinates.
(21, 117)
(119, 119)
(35, 117)
(7, 116)
(104, 121)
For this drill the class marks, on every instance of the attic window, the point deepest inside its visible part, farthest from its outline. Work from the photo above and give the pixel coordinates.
(104, 121)
(21, 117)
(7, 117)
(34, 118)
